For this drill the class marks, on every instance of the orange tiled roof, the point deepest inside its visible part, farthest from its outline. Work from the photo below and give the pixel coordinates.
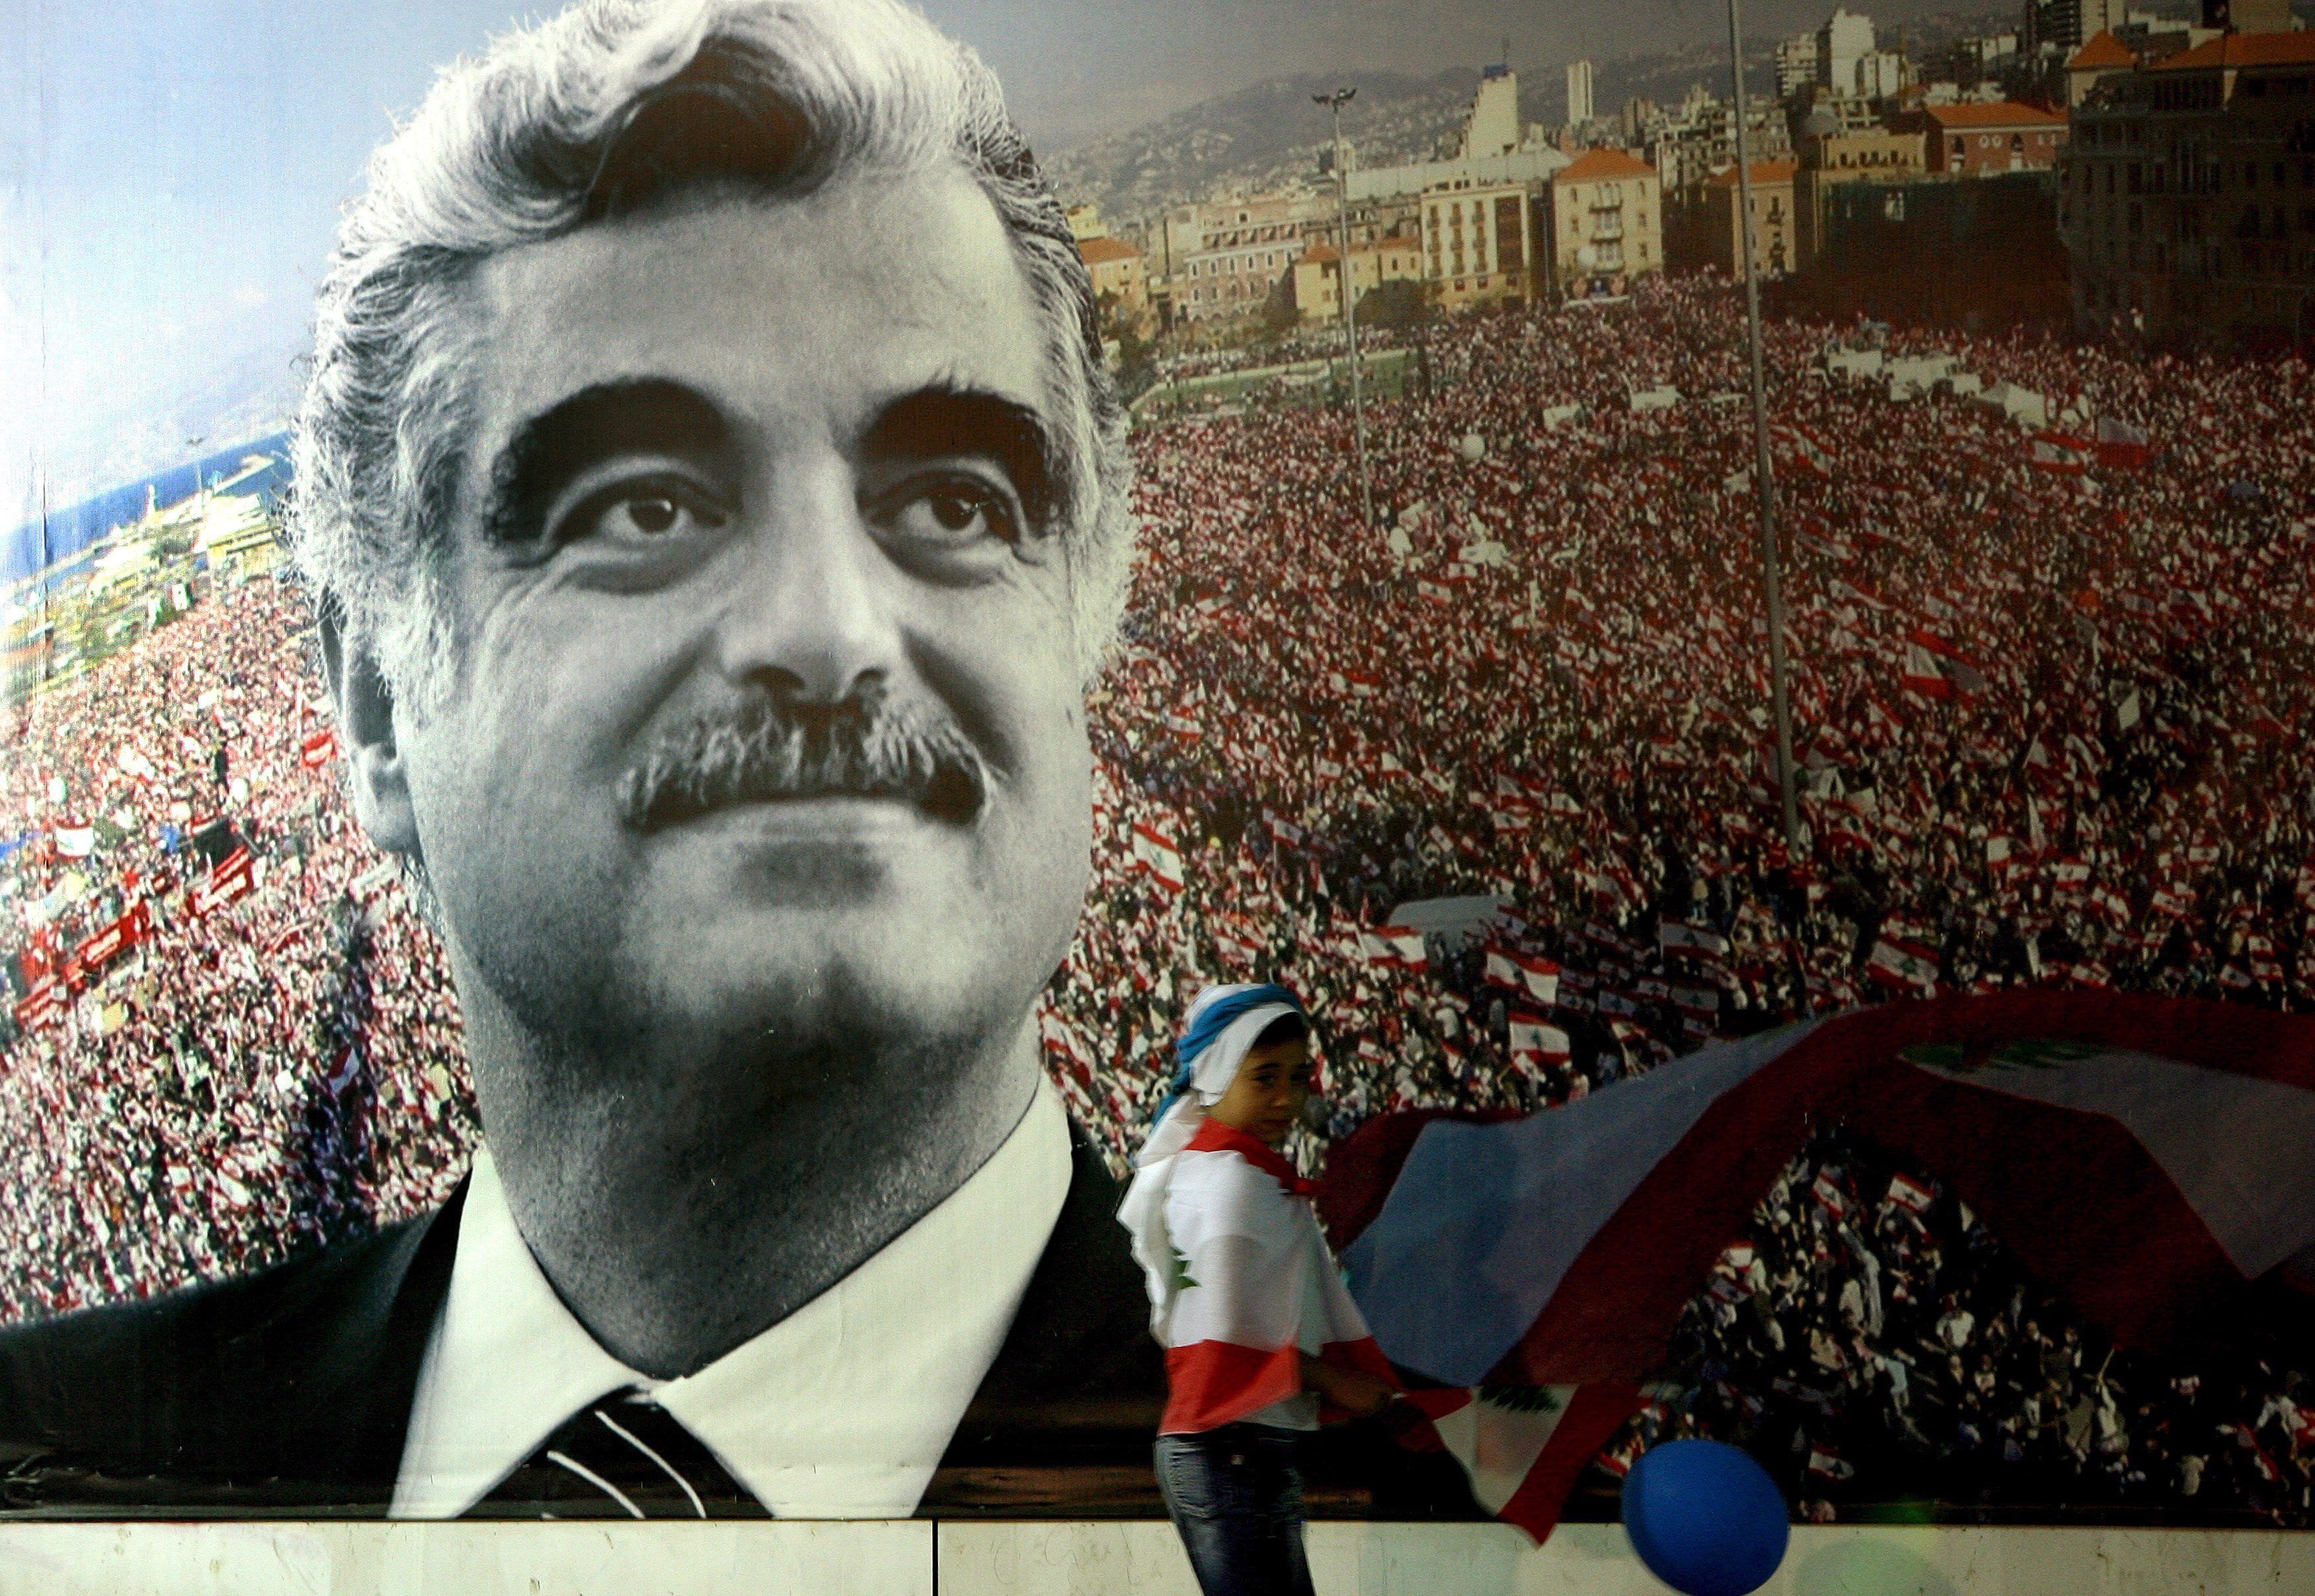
(2102, 49)
(1592, 166)
(2002, 113)
(2246, 50)
(1099, 252)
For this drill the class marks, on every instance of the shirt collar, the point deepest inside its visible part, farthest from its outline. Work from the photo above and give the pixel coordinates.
(840, 1410)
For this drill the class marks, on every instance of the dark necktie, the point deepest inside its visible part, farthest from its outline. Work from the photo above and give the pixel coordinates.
(623, 1456)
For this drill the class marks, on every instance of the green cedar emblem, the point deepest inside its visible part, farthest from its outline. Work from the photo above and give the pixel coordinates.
(1183, 1278)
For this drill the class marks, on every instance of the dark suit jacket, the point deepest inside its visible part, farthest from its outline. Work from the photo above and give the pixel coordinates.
(288, 1391)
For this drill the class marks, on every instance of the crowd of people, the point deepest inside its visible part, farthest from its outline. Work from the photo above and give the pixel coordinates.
(1493, 783)
(272, 1071)
(1872, 1341)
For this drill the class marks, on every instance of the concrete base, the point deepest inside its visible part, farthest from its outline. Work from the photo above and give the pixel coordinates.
(1089, 1559)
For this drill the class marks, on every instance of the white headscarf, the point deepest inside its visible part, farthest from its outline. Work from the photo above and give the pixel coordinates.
(1212, 1063)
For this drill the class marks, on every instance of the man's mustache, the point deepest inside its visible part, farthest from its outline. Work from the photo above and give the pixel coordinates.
(867, 746)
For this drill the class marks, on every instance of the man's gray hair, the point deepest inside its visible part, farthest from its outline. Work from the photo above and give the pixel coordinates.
(591, 115)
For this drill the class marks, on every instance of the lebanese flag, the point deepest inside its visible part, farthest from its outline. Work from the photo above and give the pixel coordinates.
(1154, 852)
(2145, 1156)
(1680, 936)
(1923, 674)
(1524, 972)
(75, 840)
(1909, 1194)
(1906, 966)
(318, 749)
(1798, 448)
(2060, 452)
(1397, 946)
(2120, 445)
(1247, 1256)
(1531, 1036)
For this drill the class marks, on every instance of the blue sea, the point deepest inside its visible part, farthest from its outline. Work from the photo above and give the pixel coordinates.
(30, 548)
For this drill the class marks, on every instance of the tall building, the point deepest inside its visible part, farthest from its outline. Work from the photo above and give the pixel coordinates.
(1845, 39)
(1494, 148)
(1579, 92)
(2187, 198)
(1795, 64)
(1492, 128)
(1606, 223)
(2064, 26)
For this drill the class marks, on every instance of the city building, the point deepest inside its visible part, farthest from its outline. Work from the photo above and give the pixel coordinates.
(1579, 92)
(1795, 64)
(1606, 224)
(1976, 255)
(1844, 41)
(1121, 276)
(1227, 258)
(1318, 274)
(1493, 126)
(1831, 159)
(1479, 243)
(2064, 26)
(1776, 248)
(1494, 148)
(2099, 58)
(1976, 140)
(2188, 197)
(1085, 222)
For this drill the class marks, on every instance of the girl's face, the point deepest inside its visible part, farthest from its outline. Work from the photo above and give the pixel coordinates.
(1266, 1098)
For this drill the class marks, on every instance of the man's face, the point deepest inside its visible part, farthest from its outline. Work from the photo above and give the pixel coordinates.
(766, 721)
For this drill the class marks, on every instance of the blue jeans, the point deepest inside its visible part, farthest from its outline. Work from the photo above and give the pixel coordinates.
(1237, 1497)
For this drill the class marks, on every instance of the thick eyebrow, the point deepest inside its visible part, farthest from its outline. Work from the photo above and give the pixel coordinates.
(946, 418)
(639, 415)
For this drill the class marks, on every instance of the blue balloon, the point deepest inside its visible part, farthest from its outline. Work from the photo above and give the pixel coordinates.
(1705, 1519)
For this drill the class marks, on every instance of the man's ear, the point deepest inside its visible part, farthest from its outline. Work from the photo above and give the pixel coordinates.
(366, 723)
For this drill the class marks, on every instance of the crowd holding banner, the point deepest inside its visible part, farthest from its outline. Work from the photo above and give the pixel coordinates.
(2047, 706)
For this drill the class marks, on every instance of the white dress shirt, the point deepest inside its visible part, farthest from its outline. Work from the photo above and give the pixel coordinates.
(840, 1411)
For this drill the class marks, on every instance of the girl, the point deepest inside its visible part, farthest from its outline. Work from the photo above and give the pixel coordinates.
(1260, 1336)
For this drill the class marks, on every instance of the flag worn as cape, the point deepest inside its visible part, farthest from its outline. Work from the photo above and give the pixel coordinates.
(1255, 1286)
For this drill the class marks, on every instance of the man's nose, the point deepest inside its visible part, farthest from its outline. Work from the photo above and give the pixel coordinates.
(811, 610)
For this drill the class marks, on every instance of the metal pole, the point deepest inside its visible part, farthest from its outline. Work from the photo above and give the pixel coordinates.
(1335, 102)
(1770, 577)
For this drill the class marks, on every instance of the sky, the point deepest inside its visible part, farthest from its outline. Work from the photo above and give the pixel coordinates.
(171, 171)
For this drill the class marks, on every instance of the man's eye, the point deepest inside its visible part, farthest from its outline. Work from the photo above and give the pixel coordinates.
(957, 514)
(650, 516)
(640, 513)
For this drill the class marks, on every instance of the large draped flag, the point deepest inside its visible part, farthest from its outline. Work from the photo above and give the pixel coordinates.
(2146, 1157)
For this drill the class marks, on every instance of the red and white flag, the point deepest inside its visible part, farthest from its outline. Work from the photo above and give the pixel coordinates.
(2060, 452)
(1906, 966)
(2120, 445)
(1530, 1036)
(2144, 1155)
(1157, 855)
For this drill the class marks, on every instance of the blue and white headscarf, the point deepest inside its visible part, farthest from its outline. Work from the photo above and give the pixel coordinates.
(1217, 1034)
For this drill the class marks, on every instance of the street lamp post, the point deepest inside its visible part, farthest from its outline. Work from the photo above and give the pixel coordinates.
(1335, 102)
(1771, 577)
